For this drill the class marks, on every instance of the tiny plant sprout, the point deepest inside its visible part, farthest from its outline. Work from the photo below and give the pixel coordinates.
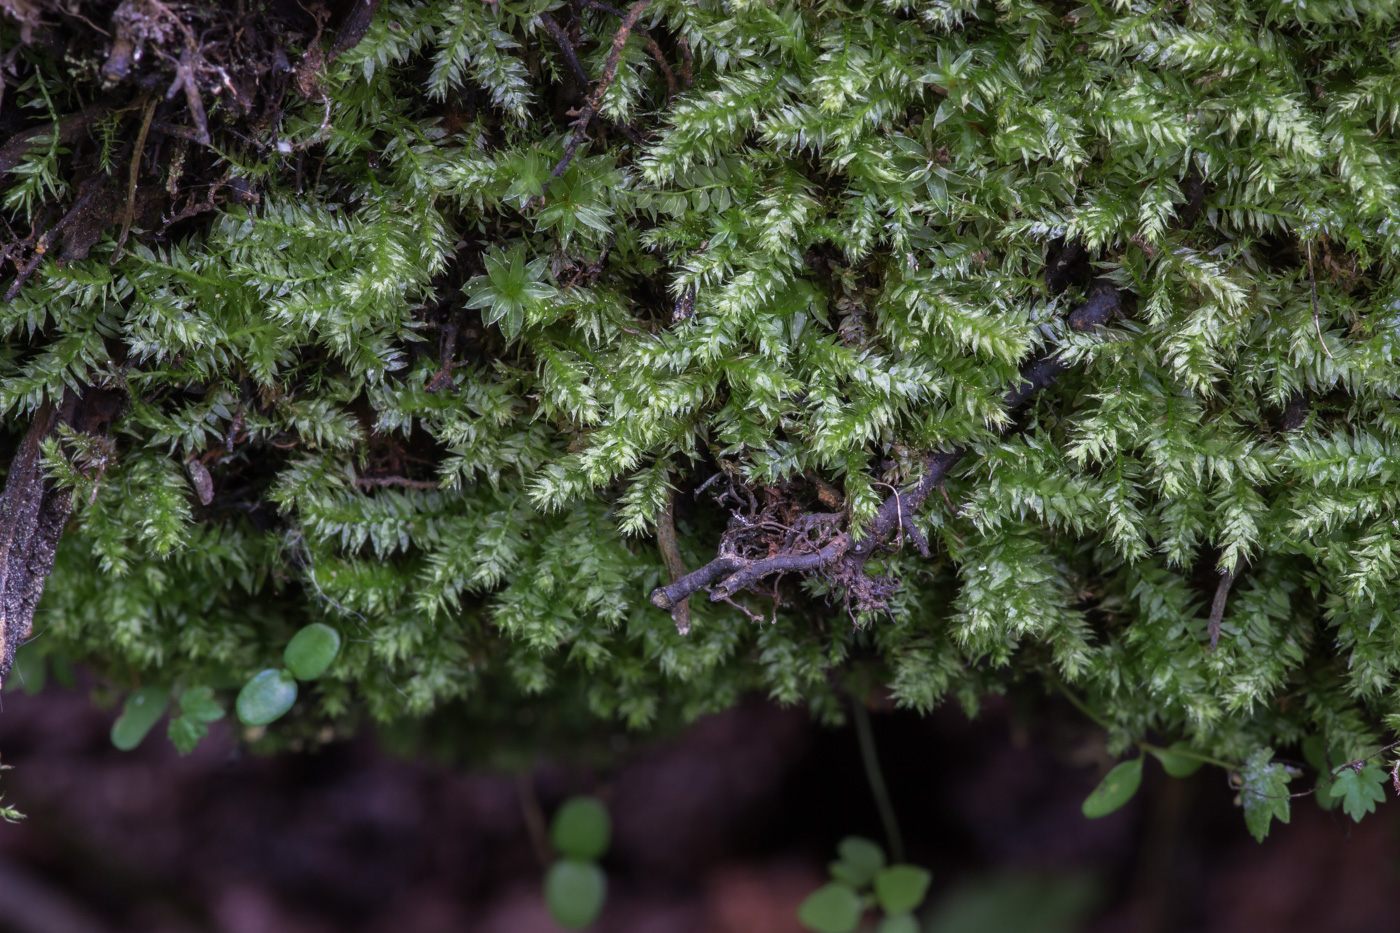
(832, 908)
(581, 829)
(859, 861)
(901, 888)
(143, 708)
(265, 697)
(899, 923)
(311, 651)
(574, 892)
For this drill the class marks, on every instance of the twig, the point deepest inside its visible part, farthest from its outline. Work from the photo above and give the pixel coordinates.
(562, 40)
(595, 99)
(1356, 763)
(443, 377)
(647, 41)
(655, 51)
(136, 155)
(1217, 606)
(687, 75)
(728, 573)
(753, 616)
(675, 566)
(354, 26)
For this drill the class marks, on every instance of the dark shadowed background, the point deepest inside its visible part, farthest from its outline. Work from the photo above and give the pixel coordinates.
(723, 829)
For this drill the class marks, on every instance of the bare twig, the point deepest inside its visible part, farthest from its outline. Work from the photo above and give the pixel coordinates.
(841, 556)
(443, 377)
(33, 512)
(354, 26)
(652, 48)
(561, 38)
(675, 566)
(655, 51)
(687, 74)
(1217, 606)
(595, 99)
(134, 171)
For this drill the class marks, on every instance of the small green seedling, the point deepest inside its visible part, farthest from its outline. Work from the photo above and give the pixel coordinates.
(266, 697)
(575, 887)
(575, 892)
(311, 651)
(198, 708)
(862, 880)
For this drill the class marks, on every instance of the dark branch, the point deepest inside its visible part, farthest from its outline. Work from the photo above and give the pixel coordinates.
(595, 99)
(561, 39)
(841, 556)
(666, 597)
(33, 512)
(753, 571)
(1217, 606)
(675, 566)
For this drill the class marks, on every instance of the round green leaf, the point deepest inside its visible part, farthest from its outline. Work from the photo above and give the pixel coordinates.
(311, 651)
(142, 710)
(832, 908)
(1178, 766)
(265, 697)
(574, 892)
(1116, 789)
(904, 923)
(581, 828)
(901, 888)
(859, 860)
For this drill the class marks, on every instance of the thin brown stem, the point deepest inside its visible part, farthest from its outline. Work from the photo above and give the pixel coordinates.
(595, 99)
(675, 566)
(134, 171)
(1217, 606)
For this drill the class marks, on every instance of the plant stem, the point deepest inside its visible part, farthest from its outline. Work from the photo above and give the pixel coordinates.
(1187, 753)
(866, 737)
(1141, 744)
(1078, 703)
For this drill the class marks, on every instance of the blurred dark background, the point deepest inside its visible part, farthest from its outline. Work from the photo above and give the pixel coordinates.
(721, 829)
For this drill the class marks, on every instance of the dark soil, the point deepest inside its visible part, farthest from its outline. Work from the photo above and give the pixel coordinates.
(137, 91)
(725, 828)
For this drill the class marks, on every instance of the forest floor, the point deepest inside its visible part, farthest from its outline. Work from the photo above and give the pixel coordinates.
(723, 829)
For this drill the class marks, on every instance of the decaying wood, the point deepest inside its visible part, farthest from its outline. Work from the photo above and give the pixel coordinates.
(31, 519)
(33, 512)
